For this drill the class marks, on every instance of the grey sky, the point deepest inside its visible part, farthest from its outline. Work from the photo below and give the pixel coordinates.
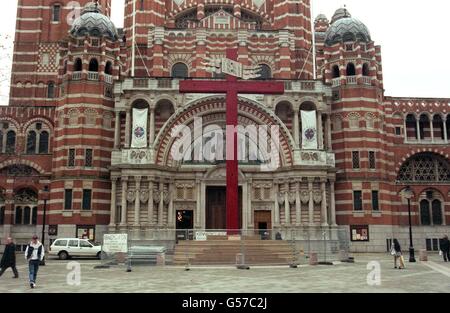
(412, 35)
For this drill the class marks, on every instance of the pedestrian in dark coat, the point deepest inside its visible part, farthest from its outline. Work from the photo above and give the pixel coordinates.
(445, 248)
(9, 258)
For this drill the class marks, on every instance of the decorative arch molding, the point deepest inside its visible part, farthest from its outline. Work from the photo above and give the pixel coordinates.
(31, 164)
(43, 120)
(184, 58)
(434, 168)
(309, 99)
(165, 97)
(265, 59)
(138, 97)
(12, 121)
(214, 105)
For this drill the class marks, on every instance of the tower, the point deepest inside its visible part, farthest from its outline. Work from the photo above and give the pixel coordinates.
(36, 56)
(84, 132)
(350, 62)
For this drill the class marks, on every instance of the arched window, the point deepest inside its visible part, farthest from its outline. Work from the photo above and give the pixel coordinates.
(10, 142)
(426, 168)
(108, 68)
(34, 216)
(51, 90)
(284, 112)
(365, 69)
(93, 65)
(424, 127)
(180, 70)
(1, 142)
(27, 216)
(351, 70)
(78, 66)
(436, 210)
(336, 72)
(425, 213)
(164, 110)
(266, 72)
(43, 142)
(438, 127)
(411, 127)
(18, 217)
(65, 67)
(31, 142)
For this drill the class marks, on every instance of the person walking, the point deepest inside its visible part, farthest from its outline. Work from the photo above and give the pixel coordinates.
(396, 251)
(34, 254)
(445, 248)
(9, 258)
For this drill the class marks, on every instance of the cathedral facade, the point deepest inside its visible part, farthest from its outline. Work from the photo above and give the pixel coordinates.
(87, 139)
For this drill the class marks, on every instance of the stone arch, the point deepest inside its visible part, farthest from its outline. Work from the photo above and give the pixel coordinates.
(211, 105)
(31, 164)
(138, 97)
(424, 167)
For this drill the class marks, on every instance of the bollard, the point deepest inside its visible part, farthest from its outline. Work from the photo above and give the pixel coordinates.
(423, 256)
(313, 260)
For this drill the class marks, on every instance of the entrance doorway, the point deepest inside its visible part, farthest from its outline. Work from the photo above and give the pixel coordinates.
(185, 224)
(216, 208)
(263, 223)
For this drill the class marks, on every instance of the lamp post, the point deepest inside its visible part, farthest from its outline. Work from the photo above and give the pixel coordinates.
(44, 217)
(408, 194)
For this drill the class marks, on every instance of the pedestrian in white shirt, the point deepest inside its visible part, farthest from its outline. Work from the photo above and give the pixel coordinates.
(34, 254)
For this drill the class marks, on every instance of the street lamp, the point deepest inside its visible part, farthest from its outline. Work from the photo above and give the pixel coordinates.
(44, 217)
(408, 194)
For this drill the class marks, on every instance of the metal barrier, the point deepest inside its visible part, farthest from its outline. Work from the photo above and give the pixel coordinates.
(240, 248)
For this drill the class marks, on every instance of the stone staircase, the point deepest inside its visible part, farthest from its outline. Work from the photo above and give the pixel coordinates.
(220, 251)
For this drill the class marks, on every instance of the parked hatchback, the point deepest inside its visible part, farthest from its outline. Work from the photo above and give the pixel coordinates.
(65, 248)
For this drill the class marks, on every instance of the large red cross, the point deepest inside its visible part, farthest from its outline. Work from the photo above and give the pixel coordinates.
(231, 87)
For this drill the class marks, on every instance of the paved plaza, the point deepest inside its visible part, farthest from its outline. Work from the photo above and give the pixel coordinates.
(432, 276)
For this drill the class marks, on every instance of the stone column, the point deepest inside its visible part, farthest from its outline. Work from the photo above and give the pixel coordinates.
(277, 206)
(298, 205)
(245, 195)
(432, 129)
(137, 202)
(199, 204)
(203, 206)
(251, 219)
(332, 204)
(151, 139)
(296, 127)
(418, 129)
(112, 219)
(128, 129)
(150, 203)
(311, 203)
(329, 137)
(445, 129)
(405, 130)
(161, 205)
(117, 132)
(123, 219)
(171, 213)
(287, 209)
(320, 130)
(324, 204)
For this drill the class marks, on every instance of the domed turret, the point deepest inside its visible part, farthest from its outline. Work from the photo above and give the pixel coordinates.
(92, 22)
(346, 28)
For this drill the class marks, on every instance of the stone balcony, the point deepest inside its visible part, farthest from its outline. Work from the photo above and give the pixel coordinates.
(169, 84)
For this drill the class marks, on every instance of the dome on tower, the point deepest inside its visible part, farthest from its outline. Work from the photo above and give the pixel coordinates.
(346, 28)
(94, 23)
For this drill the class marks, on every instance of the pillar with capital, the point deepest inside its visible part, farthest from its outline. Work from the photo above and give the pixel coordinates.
(123, 218)
(117, 131)
(311, 203)
(332, 204)
(297, 126)
(150, 203)
(298, 205)
(112, 220)
(137, 202)
(128, 129)
(277, 206)
(287, 209)
(324, 204)
(161, 204)
(151, 133)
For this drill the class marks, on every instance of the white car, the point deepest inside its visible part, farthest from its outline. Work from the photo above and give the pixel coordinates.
(65, 248)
